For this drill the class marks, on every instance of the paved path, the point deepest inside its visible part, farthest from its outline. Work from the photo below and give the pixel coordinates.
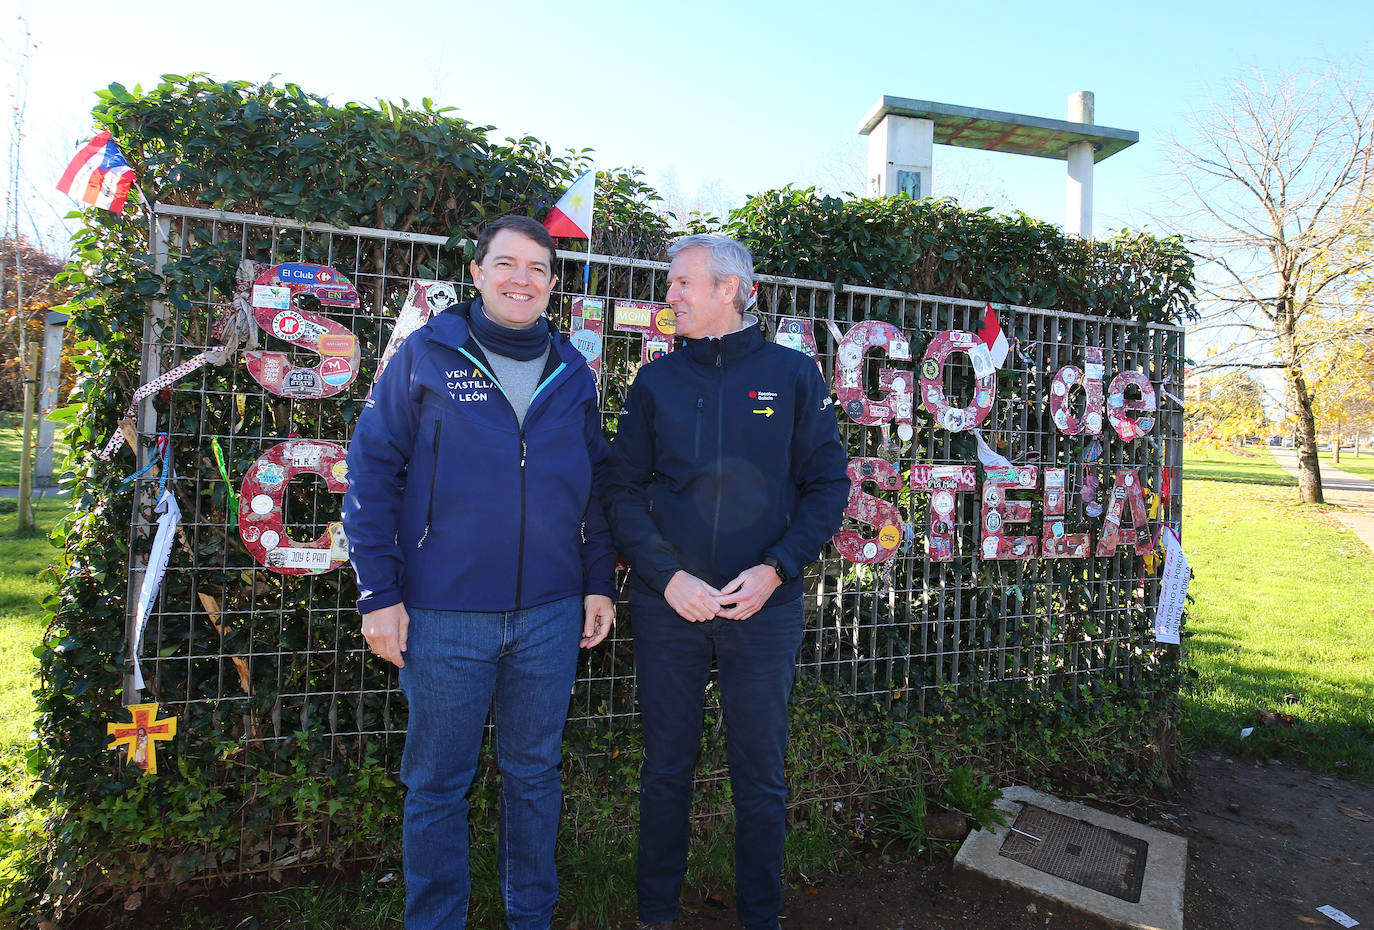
(11, 490)
(1350, 492)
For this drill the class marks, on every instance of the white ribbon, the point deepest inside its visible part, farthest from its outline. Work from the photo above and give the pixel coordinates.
(169, 518)
(988, 455)
(1173, 588)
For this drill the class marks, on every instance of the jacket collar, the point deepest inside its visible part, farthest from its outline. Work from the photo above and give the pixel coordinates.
(727, 348)
(451, 329)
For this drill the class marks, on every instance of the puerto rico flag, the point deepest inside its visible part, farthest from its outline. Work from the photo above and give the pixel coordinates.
(99, 175)
(572, 215)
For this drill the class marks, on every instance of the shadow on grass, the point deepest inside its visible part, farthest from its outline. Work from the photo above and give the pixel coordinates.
(1232, 468)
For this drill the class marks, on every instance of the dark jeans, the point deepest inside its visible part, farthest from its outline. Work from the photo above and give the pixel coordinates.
(519, 664)
(756, 661)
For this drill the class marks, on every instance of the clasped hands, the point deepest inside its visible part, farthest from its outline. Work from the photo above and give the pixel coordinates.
(740, 599)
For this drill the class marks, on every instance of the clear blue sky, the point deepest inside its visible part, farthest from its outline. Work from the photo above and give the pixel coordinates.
(715, 100)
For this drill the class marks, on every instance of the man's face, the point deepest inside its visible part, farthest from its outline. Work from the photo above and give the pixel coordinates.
(701, 307)
(515, 279)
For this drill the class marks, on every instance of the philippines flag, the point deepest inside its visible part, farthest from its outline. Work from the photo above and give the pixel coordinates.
(572, 215)
(991, 335)
(99, 175)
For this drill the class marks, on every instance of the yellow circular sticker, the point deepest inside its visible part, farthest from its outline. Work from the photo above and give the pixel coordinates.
(889, 536)
(665, 321)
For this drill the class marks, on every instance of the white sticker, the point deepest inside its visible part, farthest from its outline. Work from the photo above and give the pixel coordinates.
(899, 385)
(270, 539)
(870, 550)
(982, 360)
(1339, 916)
(271, 298)
(899, 349)
(314, 559)
(1093, 371)
(262, 504)
(943, 502)
(904, 432)
(990, 547)
(1093, 421)
(305, 455)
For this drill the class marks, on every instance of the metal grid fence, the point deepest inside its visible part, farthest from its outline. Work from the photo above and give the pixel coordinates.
(244, 653)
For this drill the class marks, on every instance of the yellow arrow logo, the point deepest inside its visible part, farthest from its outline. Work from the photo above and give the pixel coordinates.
(766, 411)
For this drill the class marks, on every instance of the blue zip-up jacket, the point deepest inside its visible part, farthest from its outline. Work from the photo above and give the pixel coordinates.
(451, 505)
(727, 451)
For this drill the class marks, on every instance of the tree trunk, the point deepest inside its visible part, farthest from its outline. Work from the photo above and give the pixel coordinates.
(1305, 434)
(1336, 446)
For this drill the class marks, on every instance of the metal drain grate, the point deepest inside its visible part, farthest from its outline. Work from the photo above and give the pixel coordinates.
(1094, 857)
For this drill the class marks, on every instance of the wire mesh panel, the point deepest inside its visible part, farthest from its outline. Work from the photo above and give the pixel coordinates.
(242, 652)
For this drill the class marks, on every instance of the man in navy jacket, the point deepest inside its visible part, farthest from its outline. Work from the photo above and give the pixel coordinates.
(482, 557)
(727, 478)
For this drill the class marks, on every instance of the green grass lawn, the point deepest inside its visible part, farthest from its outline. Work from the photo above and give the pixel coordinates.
(12, 441)
(23, 583)
(1251, 465)
(1361, 465)
(1284, 604)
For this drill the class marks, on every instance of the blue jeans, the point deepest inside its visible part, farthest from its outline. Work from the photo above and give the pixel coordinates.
(756, 663)
(460, 664)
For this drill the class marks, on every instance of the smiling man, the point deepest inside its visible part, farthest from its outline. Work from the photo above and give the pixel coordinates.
(483, 559)
(727, 478)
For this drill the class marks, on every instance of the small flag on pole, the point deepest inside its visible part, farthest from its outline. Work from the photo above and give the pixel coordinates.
(572, 215)
(99, 175)
(991, 335)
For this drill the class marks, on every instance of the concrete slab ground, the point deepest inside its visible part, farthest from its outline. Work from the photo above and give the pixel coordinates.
(1343, 489)
(1161, 894)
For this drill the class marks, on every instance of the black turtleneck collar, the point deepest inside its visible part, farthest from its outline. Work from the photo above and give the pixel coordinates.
(729, 347)
(523, 345)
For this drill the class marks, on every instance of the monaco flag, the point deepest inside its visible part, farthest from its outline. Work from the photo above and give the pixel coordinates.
(572, 215)
(99, 175)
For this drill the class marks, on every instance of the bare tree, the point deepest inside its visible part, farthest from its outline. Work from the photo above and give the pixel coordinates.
(1277, 186)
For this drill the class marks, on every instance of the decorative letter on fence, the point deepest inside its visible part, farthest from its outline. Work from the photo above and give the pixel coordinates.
(954, 419)
(277, 309)
(871, 510)
(849, 362)
(260, 503)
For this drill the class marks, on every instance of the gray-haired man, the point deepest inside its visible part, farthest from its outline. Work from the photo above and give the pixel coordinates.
(728, 476)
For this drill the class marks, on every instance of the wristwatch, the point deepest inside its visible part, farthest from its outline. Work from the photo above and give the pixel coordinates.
(776, 566)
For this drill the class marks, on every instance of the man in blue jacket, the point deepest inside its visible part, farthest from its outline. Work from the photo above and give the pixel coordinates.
(482, 556)
(727, 478)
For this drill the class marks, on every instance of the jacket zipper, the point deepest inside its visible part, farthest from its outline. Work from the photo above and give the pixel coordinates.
(701, 402)
(520, 427)
(429, 513)
(720, 449)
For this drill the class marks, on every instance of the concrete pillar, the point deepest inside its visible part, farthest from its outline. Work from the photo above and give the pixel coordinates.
(900, 153)
(53, 328)
(1078, 199)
